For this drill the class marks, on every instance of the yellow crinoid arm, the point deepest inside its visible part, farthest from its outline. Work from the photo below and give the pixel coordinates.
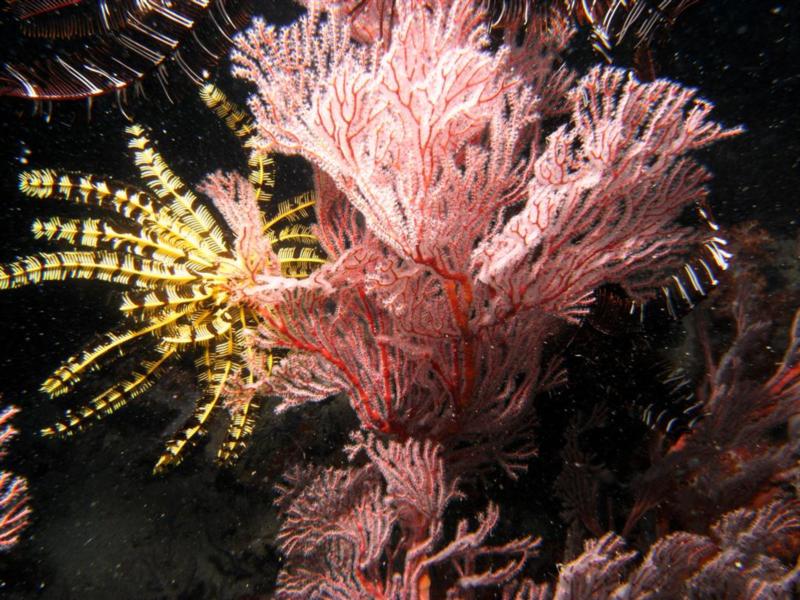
(294, 234)
(286, 224)
(113, 398)
(217, 364)
(297, 209)
(299, 261)
(262, 166)
(94, 233)
(144, 302)
(209, 325)
(151, 216)
(169, 187)
(73, 369)
(262, 171)
(104, 266)
(240, 428)
(242, 402)
(236, 119)
(298, 250)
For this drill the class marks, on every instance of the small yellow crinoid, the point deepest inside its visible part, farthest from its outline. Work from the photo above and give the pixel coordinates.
(185, 268)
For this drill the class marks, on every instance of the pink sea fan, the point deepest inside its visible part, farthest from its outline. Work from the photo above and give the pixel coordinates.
(377, 531)
(14, 509)
(460, 239)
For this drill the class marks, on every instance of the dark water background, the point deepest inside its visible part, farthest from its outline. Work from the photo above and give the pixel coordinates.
(103, 527)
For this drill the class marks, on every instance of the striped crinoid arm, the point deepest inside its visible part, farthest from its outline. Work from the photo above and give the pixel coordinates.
(79, 49)
(204, 326)
(111, 345)
(288, 227)
(182, 202)
(143, 303)
(241, 424)
(299, 234)
(234, 117)
(95, 233)
(113, 398)
(239, 393)
(262, 166)
(295, 210)
(218, 362)
(300, 261)
(114, 267)
(148, 216)
(287, 224)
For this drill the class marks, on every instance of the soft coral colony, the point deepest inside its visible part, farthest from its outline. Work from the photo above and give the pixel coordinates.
(477, 238)
(471, 198)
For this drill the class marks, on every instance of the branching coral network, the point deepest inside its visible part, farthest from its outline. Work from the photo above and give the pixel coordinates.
(462, 239)
(472, 197)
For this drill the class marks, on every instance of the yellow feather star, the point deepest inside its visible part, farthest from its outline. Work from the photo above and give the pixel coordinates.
(184, 267)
